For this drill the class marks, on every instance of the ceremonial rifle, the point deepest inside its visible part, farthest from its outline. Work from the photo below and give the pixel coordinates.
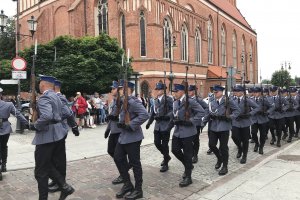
(165, 95)
(186, 105)
(125, 89)
(118, 100)
(246, 107)
(227, 107)
(263, 98)
(33, 103)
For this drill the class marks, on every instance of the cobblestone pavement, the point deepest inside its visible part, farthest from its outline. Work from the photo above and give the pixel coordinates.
(92, 177)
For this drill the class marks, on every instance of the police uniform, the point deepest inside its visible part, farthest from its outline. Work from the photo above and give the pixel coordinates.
(68, 120)
(261, 121)
(112, 131)
(277, 116)
(6, 108)
(197, 122)
(220, 125)
(297, 117)
(185, 132)
(128, 145)
(162, 113)
(241, 124)
(49, 140)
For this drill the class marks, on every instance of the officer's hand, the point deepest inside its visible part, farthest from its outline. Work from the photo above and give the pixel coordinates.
(120, 125)
(75, 130)
(147, 126)
(31, 127)
(106, 133)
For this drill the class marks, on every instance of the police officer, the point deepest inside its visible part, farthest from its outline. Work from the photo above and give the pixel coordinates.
(112, 130)
(260, 119)
(185, 130)
(203, 104)
(241, 124)
(129, 143)
(221, 112)
(6, 108)
(291, 112)
(162, 113)
(68, 120)
(277, 117)
(297, 117)
(49, 140)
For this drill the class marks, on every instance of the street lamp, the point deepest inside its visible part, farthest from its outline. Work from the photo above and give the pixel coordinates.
(135, 76)
(170, 45)
(32, 25)
(3, 20)
(244, 59)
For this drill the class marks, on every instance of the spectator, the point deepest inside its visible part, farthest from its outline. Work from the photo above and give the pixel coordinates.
(97, 103)
(81, 106)
(102, 110)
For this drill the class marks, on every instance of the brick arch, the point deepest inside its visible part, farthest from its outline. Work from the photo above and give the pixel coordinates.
(61, 21)
(145, 88)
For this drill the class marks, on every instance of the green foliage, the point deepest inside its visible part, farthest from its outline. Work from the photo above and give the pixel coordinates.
(266, 81)
(86, 64)
(282, 78)
(8, 41)
(5, 73)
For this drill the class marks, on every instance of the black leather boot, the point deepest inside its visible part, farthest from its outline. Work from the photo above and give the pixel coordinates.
(127, 187)
(219, 164)
(289, 140)
(136, 194)
(256, 148)
(278, 143)
(164, 168)
(261, 150)
(118, 180)
(186, 182)
(195, 159)
(273, 140)
(66, 190)
(3, 167)
(239, 153)
(223, 171)
(243, 160)
(54, 188)
(165, 160)
(0, 172)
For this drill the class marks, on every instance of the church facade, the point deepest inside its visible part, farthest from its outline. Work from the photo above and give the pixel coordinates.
(211, 37)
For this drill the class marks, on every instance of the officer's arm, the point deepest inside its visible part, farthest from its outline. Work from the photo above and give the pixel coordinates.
(170, 108)
(255, 107)
(235, 110)
(15, 112)
(296, 104)
(141, 112)
(45, 113)
(197, 109)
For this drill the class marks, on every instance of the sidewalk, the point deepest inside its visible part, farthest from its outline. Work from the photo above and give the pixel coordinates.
(91, 170)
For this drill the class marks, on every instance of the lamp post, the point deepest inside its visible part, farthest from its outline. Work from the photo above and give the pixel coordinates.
(3, 21)
(170, 44)
(245, 57)
(135, 76)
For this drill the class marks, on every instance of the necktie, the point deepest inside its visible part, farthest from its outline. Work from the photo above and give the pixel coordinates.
(218, 102)
(274, 98)
(179, 103)
(239, 100)
(256, 100)
(158, 101)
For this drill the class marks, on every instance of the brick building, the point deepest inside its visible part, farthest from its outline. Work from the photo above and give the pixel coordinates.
(210, 36)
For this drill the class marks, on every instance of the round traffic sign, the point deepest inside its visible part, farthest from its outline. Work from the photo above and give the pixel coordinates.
(18, 64)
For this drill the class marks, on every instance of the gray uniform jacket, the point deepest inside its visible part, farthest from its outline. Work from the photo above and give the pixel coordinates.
(204, 105)
(253, 109)
(138, 115)
(49, 123)
(216, 109)
(161, 124)
(196, 113)
(68, 117)
(265, 108)
(292, 106)
(112, 124)
(297, 98)
(7, 108)
(277, 113)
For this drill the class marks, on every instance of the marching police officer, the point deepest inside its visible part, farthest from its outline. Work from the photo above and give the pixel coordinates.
(129, 143)
(203, 104)
(292, 107)
(162, 114)
(221, 112)
(297, 117)
(260, 119)
(49, 140)
(241, 124)
(68, 120)
(112, 130)
(277, 116)
(185, 111)
(6, 108)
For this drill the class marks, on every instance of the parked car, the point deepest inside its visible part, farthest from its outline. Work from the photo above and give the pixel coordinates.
(25, 110)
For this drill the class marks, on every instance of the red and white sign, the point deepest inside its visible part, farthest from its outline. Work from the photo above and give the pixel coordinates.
(18, 64)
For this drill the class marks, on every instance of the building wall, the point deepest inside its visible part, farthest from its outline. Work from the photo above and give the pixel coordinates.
(79, 18)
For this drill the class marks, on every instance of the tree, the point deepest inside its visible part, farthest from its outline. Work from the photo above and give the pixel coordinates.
(282, 78)
(265, 81)
(86, 64)
(8, 41)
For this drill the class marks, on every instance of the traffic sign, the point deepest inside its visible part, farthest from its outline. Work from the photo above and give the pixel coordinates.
(19, 74)
(9, 82)
(18, 64)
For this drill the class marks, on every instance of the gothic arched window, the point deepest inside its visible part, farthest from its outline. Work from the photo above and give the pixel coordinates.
(234, 50)
(210, 41)
(142, 34)
(123, 31)
(167, 38)
(103, 16)
(184, 43)
(198, 46)
(223, 46)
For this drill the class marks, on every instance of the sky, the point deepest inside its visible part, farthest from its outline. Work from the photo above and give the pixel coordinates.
(276, 24)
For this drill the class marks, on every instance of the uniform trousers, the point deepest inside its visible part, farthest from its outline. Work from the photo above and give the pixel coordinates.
(196, 142)
(222, 152)
(290, 125)
(46, 155)
(3, 148)
(297, 120)
(182, 148)
(112, 143)
(161, 141)
(276, 126)
(262, 133)
(60, 162)
(240, 137)
(132, 150)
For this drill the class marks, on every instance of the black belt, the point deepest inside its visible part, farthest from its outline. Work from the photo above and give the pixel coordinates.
(4, 119)
(54, 122)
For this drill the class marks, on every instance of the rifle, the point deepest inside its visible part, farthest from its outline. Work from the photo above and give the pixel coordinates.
(227, 107)
(263, 98)
(246, 107)
(125, 89)
(186, 105)
(196, 89)
(280, 100)
(165, 94)
(118, 100)
(34, 114)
